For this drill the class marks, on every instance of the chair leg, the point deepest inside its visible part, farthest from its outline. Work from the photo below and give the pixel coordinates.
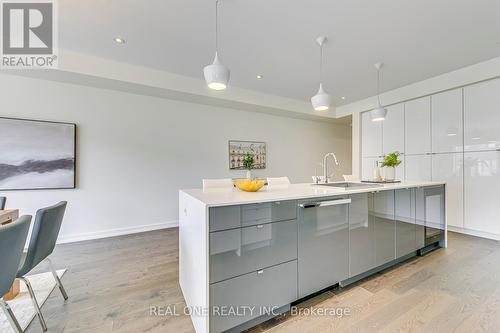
(10, 316)
(58, 280)
(35, 303)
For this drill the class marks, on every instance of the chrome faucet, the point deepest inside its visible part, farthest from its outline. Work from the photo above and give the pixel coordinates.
(325, 165)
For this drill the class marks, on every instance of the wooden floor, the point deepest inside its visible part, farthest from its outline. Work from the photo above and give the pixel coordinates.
(113, 282)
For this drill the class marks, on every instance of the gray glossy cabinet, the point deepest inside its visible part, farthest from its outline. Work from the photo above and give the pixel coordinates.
(405, 222)
(362, 235)
(382, 214)
(229, 217)
(238, 251)
(323, 247)
(269, 288)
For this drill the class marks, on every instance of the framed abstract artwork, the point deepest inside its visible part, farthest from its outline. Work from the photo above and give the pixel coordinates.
(36, 154)
(238, 150)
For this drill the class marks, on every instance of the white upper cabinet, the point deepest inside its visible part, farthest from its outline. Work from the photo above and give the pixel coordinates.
(450, 169)
(368, 166)
(447, 122)
(481, 194)
(418, 168)
(393, 130)
(418, 126)
(371, 136)
(482, 116)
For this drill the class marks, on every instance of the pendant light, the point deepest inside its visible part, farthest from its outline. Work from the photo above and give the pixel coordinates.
(216, 74)
(321, 101)
(379, 113)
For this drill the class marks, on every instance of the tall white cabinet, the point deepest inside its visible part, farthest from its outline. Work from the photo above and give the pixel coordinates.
(482, 116)
(429, 131)
(418, 126)
(482, 157)
(371, 136)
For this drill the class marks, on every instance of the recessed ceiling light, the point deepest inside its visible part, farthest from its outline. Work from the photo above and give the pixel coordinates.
(260, 76)
(119, 40)
(343, 97)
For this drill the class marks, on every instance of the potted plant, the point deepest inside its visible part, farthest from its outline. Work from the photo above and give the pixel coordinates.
(390, 163)
(248, 164)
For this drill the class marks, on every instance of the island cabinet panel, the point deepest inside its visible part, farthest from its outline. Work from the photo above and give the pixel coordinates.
(323, 249)
(268, 212)
(405, 222)
(229, 217)
(252, 295)
(382, 214)
(239, 251)
(361, 234)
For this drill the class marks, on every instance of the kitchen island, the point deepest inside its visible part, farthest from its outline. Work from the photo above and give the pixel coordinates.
(246, 257)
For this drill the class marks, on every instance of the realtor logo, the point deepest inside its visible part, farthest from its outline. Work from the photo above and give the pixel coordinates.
(29, 34)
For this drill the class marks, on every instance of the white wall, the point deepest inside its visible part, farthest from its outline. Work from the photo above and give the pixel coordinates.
(135, 152)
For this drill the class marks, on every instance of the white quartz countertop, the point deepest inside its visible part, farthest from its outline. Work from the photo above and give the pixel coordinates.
(228, 197)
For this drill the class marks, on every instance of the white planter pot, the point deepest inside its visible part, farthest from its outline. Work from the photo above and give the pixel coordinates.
(389, 173)
(249, 174)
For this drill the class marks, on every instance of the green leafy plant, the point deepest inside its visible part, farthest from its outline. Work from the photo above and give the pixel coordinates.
(248, 162)
(391, 160)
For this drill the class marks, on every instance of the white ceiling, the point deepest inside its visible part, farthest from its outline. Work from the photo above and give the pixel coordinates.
(416, 39)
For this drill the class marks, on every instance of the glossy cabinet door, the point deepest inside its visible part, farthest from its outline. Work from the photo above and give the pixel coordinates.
(361, 234)
(323, 247)
(393, 130)
(450, 169)
(482, 116)
(405, 221)
(418, 167)
(447, 121)
(482, 191)
(239, 251)
(367, 166)
(269, 288)
(430, 212)
(418, 126)
(382, 215)
(371, 136)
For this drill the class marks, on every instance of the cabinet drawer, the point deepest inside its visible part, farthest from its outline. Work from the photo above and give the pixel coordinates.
(222, 218)
(268, 212)
(238, 251)
(269, 288)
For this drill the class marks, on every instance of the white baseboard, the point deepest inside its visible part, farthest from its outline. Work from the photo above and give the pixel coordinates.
(474, 232)
(116, 232)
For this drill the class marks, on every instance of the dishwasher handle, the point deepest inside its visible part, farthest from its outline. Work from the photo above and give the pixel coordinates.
(325, 203)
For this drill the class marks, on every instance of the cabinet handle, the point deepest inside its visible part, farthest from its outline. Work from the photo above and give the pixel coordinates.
(326, 203)
(277, 203)
(260, 272)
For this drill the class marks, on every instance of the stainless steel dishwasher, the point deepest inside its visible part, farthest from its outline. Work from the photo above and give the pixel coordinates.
(323, 247)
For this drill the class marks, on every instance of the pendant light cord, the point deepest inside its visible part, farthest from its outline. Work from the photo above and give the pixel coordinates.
(321, 64)
(378, 86)
(216, 26)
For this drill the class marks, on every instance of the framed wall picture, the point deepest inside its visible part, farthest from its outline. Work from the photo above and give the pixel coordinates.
(36, 154)
(238, 150)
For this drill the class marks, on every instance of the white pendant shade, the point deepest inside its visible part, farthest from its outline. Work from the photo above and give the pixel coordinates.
(378, 114)
(321, 101)
(216, 75)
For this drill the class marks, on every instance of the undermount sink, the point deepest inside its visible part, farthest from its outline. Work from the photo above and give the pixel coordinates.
(349, 185)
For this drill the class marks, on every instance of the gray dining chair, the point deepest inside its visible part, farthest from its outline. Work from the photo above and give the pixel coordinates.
(12, 239)
(42, 242)
(2, 202)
